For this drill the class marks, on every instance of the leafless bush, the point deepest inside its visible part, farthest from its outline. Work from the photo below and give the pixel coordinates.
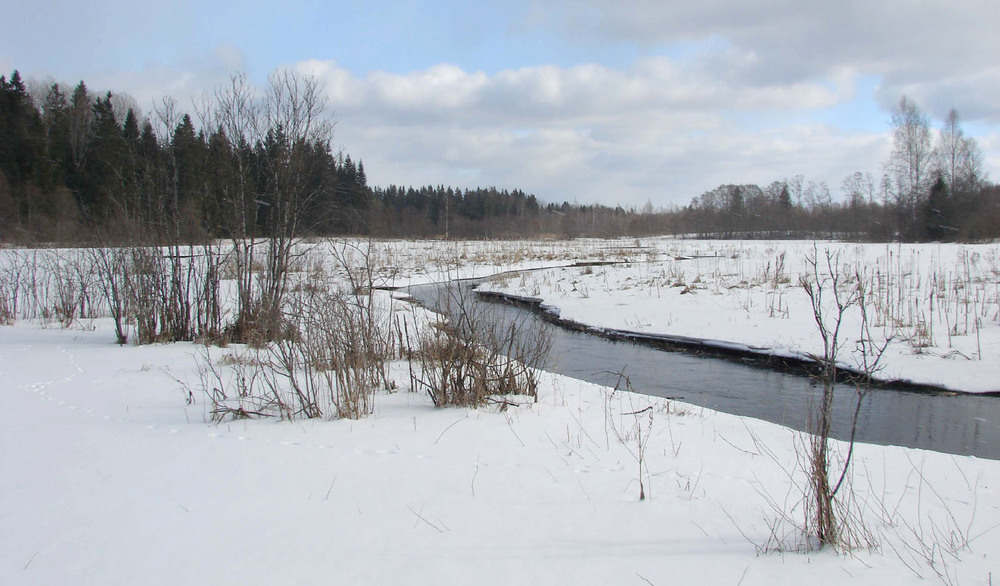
(824, 282)
(34, 285)
(71, 295)
(166, 294)
(269, 380)
(45, 284)
(25, 284)
(230, 385)
(330, 361)
(790, 518)
(478, 357)
(832, 293)
(148, 293)
(347, 342)
(10, 288)
(206, 288)
(6, 305)
(112, 268)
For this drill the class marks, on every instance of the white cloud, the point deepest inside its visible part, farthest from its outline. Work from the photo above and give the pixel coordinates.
(658, 131)
(941, 49)
(975, 96)
(551, 95)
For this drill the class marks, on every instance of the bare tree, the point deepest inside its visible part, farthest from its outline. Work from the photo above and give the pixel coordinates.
(795, 188)
(279, 137)
(870, 187)
(958, 158)
(122, 103)
(819, 286)
(294, 111)
(204, 110)
(832, 293)
(854, 189)
(237, 116)
(911, 162)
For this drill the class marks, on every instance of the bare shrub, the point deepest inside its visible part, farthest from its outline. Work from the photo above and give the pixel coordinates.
(206, 288)
(347, 342)
(791, 516)
(26, 290)
(6, 304)
(230, 384)
(148, 292)
(10, 287)
(167, 294)
(832, 294)
(330, 360)
(35, 284)
(479, 356)
(258, 381)
(112, 268)
(70, 294)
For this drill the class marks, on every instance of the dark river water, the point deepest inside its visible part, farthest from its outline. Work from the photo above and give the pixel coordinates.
(952, 423)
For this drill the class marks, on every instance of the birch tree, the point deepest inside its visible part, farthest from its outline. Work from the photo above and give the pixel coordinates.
(958, 157)
(911, 162)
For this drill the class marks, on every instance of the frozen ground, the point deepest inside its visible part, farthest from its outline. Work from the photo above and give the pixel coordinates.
(939, 304)
(111, 475)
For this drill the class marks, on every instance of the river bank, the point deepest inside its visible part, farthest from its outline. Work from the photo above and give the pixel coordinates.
(936, 306)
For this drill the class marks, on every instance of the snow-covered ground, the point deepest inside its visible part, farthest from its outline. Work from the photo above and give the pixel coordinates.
(110, 477)
(939, 304)
(111, 474)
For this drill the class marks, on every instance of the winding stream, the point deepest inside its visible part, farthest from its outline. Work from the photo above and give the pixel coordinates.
(952, 423)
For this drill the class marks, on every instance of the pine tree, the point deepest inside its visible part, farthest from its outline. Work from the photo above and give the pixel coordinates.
(149, 181)
(81, 127)
(187, 156)
(20, 131)
(362, 179)
(102, 192)
(55, 119)
(21, 146)
(937, 212)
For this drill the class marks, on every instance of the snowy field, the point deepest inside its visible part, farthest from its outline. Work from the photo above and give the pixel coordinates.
(112, 472)
(937, 304)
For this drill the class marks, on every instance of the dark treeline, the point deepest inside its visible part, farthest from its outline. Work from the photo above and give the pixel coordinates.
(81, 167)
(449, 212)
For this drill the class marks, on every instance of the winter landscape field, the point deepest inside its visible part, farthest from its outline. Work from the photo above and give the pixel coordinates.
(187, 462)
(936, 304)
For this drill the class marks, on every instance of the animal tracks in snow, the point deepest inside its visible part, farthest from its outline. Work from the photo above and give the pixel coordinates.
(63, 375)
(44, 388)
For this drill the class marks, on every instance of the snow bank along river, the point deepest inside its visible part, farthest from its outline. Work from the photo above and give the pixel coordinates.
(945, 422)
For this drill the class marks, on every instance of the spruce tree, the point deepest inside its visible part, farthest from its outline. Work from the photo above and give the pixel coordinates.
(55, 119)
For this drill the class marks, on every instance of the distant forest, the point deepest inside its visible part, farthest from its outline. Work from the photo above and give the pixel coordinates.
(84, 167)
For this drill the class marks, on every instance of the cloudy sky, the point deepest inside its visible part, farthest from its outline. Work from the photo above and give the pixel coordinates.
(586, 100)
